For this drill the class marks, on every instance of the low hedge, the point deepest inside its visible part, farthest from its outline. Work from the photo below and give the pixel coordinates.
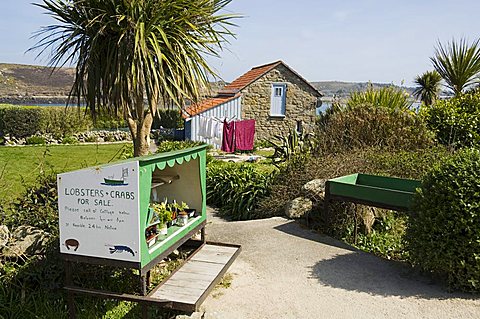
(443, 237)
(23, 121)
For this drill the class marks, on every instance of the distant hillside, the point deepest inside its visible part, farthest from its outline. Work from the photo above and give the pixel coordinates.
(23, 82)
(29, 84)
(343, 89)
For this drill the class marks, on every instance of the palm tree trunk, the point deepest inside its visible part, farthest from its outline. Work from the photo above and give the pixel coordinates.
(141, 140)
(140, 128)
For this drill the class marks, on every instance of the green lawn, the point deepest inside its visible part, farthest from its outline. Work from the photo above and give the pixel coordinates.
(19, 166)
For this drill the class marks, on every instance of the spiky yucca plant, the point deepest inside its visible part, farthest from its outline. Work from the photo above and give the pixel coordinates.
(458, 63)
(386, 97)
(130, 51)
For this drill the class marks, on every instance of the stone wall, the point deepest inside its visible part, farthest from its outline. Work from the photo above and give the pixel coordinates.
(300, 104)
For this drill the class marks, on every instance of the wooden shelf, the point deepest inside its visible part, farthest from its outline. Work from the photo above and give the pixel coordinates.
(162, 180)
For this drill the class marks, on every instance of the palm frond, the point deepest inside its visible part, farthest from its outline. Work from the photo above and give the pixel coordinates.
(458, 63)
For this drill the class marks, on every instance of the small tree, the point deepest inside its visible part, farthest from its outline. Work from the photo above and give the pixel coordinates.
(458, 63)
(428, 87)
(130, 51)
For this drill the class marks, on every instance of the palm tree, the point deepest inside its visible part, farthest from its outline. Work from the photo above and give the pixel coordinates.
(130, 51)
(428, 87)
(458, 63)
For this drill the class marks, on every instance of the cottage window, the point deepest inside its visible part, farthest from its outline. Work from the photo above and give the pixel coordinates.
(299, 127)
(277, 104)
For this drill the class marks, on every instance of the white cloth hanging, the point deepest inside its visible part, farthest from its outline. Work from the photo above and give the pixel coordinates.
(210, 128)
(202, 126)
(218, 133)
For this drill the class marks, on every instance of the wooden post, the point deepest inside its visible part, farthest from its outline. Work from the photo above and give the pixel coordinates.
(70, 295)
(144, 283)
(203, 235)
(326, 205)
(355, 227)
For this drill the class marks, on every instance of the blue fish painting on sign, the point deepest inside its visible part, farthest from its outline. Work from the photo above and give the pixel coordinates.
(121, 249)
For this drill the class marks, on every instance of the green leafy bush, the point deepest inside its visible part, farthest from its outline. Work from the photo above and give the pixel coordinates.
(63, 121)
(236, 189)
(455, 121)
(385, 238)
(37, 207)
(35, 140)
(444, 234)
(69, 140)
(21, 121)
(168, 146)
(365, 125)
(168, 119)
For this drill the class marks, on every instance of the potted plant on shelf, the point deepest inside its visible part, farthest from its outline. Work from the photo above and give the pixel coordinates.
(164, 215)
(182, 215)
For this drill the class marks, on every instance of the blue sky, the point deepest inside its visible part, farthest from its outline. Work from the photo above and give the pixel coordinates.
(347, 40)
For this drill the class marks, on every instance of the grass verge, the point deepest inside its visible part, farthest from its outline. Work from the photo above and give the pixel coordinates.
(19, 166)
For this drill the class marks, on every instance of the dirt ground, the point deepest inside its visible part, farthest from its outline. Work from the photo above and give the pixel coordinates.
(286, 271)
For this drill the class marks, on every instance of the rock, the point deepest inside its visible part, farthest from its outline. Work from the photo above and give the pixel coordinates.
(175, 254)
(26, 240)
(315, 189)
(298, 207)
(4, 236)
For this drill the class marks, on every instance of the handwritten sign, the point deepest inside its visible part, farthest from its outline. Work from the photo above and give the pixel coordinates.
(99, 212)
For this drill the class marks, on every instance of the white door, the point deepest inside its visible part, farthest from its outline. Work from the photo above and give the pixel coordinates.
(277, 107)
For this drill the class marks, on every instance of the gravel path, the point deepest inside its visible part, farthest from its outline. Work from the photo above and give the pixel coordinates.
(285, 271)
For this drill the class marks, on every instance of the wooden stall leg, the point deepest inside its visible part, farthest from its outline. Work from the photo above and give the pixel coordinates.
(144, 311)
(70, 295)
(326, 205)
(355, 225)
(143, 285)
(148, 279)
(203, 235)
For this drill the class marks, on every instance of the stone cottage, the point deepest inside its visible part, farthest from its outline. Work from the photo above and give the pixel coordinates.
(276, 96)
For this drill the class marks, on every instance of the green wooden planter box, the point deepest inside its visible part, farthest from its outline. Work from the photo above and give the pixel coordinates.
(381, 191)
(104, 211)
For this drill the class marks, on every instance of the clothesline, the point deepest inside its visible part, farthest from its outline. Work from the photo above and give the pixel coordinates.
(217, 119)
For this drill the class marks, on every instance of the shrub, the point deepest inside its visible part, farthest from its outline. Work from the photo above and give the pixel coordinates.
(287, 147)
(370, 126)
(168, 146)
(63, 121)
(69, 140)
(385, 238)
(35, 140)
(389, 98)
(455, 121)
(236, 189)
(21, 122)
(168, 119)
(444, 234)
(288, 182)
(37, 207)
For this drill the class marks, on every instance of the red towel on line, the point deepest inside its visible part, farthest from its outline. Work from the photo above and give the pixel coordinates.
(228, 137)
(244, 135)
